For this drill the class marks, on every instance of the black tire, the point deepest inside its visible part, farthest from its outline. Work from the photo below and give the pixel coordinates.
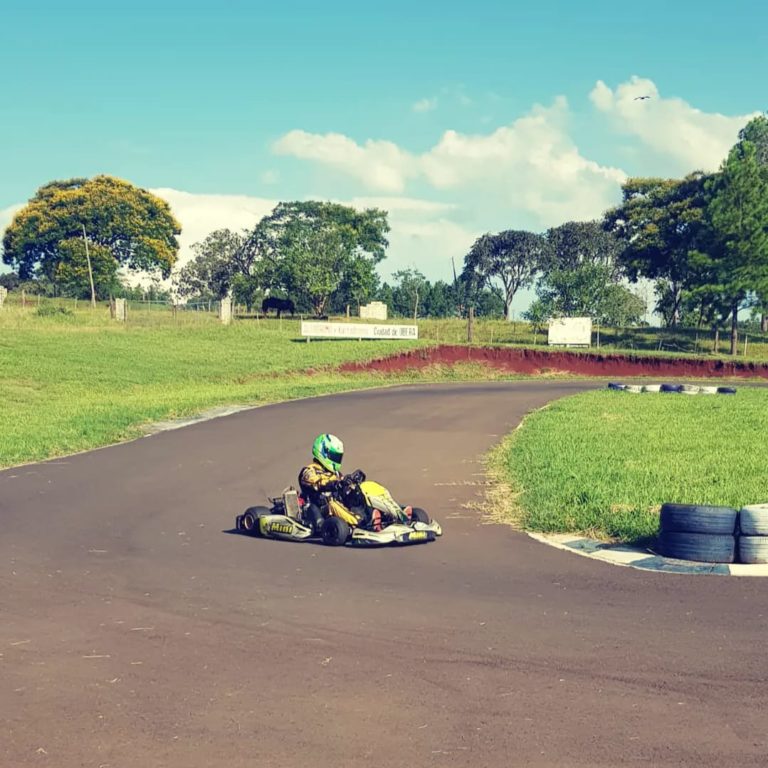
(419, 515)
(615, 385)
(753, 520)
(753, 550)
(692, 518)
(726, 390)
(671, 388)
(251, 519)
(335, 532)
(699, 547)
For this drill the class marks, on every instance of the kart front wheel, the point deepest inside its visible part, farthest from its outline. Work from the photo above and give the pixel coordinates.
(419, 515)
(335, 532)
(251, 519)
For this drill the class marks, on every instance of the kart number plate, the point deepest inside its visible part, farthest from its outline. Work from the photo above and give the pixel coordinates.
(279, 528)
(418, 536)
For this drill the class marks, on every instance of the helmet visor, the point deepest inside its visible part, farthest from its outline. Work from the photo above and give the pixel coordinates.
(335, 456)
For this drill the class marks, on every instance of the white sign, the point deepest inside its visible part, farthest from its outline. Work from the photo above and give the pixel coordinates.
(571, 331)
(358, 330)
(376, 310)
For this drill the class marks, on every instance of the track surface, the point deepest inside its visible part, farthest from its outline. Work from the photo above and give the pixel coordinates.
(135, 631)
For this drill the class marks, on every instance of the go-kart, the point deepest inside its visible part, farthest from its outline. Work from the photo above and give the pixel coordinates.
(367, 515)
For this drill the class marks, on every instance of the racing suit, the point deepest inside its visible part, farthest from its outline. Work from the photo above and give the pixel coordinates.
(314, 480)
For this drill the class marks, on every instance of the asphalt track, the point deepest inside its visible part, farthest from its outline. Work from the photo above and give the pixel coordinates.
(136, 631)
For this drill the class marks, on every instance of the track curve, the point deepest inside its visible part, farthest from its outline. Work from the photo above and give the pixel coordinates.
(134, 630)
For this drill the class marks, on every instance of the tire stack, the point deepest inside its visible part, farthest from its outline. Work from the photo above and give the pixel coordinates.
(753, 534)
(701, 533)
(685, 389)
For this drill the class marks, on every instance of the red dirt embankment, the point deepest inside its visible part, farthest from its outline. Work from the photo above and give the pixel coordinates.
(535, 361)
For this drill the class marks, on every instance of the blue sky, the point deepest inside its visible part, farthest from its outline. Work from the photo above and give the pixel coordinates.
(429, 109)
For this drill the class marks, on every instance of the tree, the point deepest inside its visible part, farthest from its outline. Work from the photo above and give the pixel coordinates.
(9, 281)
(410, 288)
(246, 290)
(505, 262)
(72, 273)
(660, 223)
(578, 243)
(756, 131)
(136, 228)
(621, 307)
(215, 263)
(358, 283)
(311, 250)
(439, 300)
(738, 219)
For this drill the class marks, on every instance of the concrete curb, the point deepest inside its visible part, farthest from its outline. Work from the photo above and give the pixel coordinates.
(643, 559)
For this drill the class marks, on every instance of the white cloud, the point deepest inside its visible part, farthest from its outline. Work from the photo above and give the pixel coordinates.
(530, 166)
(380, 165)
(692, 139)
(270, 177)
(423, 235)
(7, 214)
(200, 214)
(425, 105)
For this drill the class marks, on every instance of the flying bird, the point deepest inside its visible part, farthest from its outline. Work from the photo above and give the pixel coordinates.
(640, 98)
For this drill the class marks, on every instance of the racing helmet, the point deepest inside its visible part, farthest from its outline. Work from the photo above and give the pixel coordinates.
(329, 451)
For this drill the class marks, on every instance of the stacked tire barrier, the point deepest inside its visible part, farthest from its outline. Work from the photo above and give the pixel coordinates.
(702, 533)
(708, 534)
(684, 389)
(753, 534)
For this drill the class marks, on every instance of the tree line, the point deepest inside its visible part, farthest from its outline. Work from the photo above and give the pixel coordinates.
(700, 241)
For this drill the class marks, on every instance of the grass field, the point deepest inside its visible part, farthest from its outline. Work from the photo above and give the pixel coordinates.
(603, 462)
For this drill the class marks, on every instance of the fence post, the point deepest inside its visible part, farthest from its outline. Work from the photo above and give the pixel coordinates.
(3, 294)
(120, 310)
(225, 310)
(470, 324)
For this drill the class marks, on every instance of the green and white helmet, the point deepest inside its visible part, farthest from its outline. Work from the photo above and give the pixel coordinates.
(329, 451)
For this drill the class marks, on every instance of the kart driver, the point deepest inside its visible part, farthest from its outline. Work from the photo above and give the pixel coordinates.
(323, 475)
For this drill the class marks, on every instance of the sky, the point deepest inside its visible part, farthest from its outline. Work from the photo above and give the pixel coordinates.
(457, 118)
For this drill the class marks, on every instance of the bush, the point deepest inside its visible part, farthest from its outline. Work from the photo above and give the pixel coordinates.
(49, 310)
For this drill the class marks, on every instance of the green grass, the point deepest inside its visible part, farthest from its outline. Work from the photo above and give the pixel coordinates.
(603, 462)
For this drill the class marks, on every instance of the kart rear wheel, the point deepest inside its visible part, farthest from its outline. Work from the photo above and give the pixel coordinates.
(335, 532)
(419, 515)
(251, 519)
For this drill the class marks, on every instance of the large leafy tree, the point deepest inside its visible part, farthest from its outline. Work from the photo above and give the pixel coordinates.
(313, 250)
(579, 243)
(756, 132)
(505, 262)
(129, 224)
(580, 273)
(738, 218)
(411, 290)
(589, 291)
(72, 276)
(660, 223)
(216, 261)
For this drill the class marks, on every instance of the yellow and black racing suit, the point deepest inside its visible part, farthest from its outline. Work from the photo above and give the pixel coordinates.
(315, 480)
